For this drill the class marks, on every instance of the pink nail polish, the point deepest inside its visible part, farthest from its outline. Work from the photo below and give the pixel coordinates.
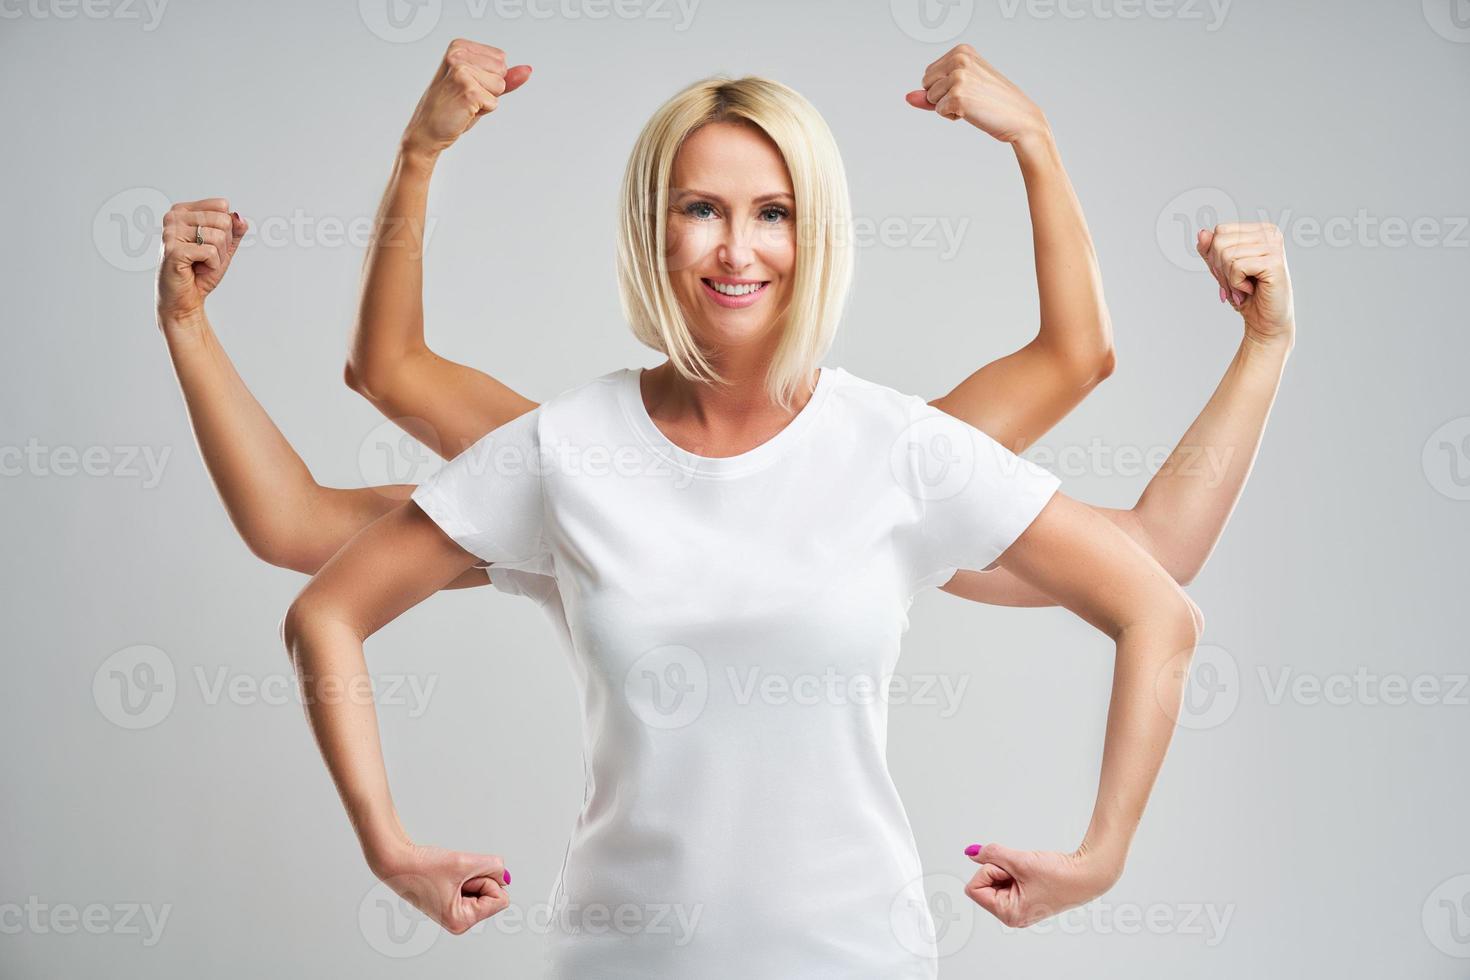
(972, 850)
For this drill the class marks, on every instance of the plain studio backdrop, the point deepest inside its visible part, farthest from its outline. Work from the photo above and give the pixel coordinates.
(166, 812)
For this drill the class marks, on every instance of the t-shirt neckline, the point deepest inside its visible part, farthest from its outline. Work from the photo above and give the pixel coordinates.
(719, 467)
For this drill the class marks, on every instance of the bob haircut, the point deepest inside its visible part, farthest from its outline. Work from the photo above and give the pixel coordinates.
(823, 226)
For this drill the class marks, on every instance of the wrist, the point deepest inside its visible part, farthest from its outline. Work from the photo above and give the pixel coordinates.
(386, 849)
(1273, 347)
(413, 155)
(182, 324)
(1103, 856)
(1035, 143)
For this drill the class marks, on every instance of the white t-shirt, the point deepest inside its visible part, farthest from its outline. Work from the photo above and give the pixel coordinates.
(732, 623)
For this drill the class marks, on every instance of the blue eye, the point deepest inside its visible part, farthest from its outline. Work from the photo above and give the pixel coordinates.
(695, 210)
(780, 213)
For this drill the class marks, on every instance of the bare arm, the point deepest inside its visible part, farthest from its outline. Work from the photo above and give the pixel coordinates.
(1096, 571)
(391, 566)
(284, 516)
(1185, 507)
(444, 404)
(1018, 398)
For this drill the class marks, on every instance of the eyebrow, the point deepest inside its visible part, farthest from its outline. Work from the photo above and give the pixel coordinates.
(691, 192)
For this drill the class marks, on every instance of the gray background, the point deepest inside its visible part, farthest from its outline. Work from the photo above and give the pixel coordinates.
(1328, 833)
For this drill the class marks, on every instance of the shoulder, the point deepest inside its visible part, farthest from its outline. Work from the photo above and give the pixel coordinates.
(876, 406)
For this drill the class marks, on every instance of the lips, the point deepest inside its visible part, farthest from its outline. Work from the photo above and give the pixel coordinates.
(734, 302)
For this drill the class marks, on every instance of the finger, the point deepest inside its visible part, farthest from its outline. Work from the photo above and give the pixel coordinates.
(991, 876)
(189, 254)
(206, 204)
(947, 62)
(941, 85)
(919, 100)
(516, 77)
(217, 237)
(181, 225)
(1008, 860)
(464, 51)
(949, 106)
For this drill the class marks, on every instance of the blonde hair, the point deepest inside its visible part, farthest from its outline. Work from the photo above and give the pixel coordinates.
(823, 226)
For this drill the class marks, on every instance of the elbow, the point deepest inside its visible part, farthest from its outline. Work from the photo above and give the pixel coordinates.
(374, 374)
(300, 620)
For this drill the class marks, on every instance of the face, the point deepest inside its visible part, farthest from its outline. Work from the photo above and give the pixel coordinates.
(732, 234)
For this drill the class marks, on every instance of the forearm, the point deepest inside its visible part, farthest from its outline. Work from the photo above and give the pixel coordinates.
(390, 322)
(1185, 507)
(1148, 676)
(337, 692)
(264, 485)
(1074, 322)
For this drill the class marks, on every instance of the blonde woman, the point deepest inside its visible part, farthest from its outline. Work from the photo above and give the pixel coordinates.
(793, 540)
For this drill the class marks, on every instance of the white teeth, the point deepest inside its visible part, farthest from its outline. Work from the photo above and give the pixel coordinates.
(741, 290)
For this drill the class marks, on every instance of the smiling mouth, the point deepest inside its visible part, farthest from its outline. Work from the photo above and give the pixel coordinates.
(735, 290)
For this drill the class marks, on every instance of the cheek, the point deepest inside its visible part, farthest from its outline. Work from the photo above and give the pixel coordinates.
(778, 248)
(687, 246)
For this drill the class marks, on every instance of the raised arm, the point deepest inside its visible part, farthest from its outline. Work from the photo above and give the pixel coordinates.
(283, 515)
(391, 566)
(1098, 572)
(443, 404)
(1186, 505)
(1017, 398)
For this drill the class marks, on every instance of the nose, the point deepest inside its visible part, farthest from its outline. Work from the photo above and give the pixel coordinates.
(736, 252)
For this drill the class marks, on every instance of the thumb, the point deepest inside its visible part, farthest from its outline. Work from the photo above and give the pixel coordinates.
(1005, 859)
(919, 100)
(1203, 240)
(515, 77)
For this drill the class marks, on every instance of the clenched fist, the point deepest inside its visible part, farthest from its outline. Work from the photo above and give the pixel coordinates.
(199, 240)
(1020, 888)
(468, 84)
(1248, 260)
(455, 889)
(963, 85)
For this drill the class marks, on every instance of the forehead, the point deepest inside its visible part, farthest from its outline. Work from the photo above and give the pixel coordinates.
(733, 159)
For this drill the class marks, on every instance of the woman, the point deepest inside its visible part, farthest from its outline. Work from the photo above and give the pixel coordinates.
(353, 594)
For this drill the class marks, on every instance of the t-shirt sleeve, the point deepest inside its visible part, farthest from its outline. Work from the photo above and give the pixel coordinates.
(975, 497)
(490, 498)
